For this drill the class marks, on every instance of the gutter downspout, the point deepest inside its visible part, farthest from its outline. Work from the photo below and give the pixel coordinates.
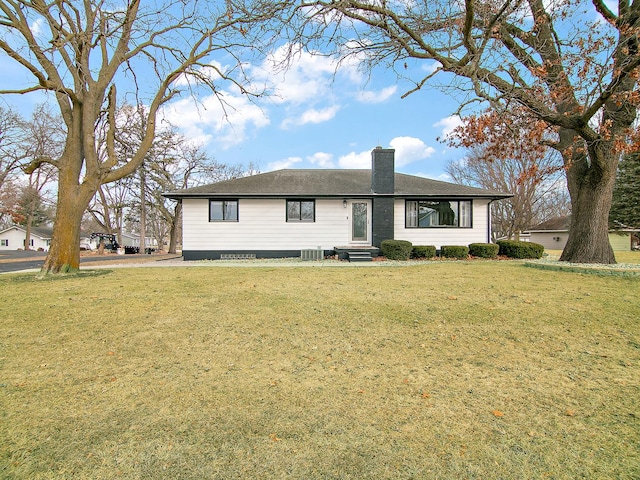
(490, 223)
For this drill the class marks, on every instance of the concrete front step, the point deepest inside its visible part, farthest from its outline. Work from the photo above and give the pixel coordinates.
(359, 256)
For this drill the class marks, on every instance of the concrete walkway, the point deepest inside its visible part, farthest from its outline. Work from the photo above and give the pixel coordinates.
(254, 263)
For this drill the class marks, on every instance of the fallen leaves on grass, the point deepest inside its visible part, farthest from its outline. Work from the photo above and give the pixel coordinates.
(497, 413)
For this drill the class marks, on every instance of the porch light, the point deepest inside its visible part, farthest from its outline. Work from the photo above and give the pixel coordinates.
(344, 203)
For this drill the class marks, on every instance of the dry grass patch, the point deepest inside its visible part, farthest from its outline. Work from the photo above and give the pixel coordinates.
(457, 370)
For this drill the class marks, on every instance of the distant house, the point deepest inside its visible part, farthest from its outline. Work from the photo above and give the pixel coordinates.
(287, 212)
(130, 240)
(553, 235)
(14, 237)
(92, 241)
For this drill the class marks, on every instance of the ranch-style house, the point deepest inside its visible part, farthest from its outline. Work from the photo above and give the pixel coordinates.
(292, 212)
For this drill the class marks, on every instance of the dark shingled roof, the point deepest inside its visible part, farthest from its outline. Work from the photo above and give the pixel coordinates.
(42, 232)
(554, 225)
(327, 183)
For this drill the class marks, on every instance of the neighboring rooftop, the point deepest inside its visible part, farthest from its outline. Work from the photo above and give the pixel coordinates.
(42, 232)
(558, 224)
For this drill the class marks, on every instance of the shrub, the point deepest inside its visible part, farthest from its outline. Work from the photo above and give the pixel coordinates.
(423, 251)
(396, 249)
(454, 251)
(518, 249)
(484, 250)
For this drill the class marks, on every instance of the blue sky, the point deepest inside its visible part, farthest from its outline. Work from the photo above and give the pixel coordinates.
(316, 117)
(313, 117)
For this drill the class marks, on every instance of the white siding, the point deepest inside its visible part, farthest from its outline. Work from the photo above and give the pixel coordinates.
(550, 240)
(16, 237)
(479, 233)
(262, 225)
(620, 241)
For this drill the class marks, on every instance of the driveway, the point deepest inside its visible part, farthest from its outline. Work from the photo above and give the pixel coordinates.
(19, 260)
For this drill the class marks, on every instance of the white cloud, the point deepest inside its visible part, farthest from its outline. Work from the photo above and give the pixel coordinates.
(410, 149)
(306, 78)
(286, 163)
(227, 123)
(303, 87)
(443, 177)
(356, 160)
(321, 159)
(407, 150)
(38, 28)
(370, 96)
(210, 72)
(448, 124)
(312, 116)
(431, 68)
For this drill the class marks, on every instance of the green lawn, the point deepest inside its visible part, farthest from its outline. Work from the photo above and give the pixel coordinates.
(444, 370)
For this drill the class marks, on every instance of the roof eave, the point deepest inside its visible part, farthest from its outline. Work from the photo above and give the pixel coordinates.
(181, 196)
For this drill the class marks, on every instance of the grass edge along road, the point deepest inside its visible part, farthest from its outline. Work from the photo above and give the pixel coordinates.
(443, 370)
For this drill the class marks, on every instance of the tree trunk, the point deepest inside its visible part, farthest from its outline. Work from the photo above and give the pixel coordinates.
(143, 211)
(27, 229)
(64, 253)
(173, 234)
(590, 181)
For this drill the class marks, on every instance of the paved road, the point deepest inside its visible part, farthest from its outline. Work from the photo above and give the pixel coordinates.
(18, 260)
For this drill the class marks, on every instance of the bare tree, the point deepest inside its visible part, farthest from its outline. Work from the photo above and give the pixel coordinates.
(43, 143)
(537, 195)
(12, 136)
(108, 207)
(188, 166)
(12, 155)
(9, 202)
(573, 65)
(509, 152)
(82, 50)
(172, 162)
(112, 201)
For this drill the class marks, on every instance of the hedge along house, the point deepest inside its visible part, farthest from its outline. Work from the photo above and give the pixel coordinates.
(293, 213)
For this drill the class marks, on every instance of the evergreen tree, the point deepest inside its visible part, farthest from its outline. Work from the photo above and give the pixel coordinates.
(625, 209)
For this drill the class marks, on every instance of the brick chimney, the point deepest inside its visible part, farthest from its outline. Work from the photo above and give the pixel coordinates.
(383, 188)
(382, 170)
